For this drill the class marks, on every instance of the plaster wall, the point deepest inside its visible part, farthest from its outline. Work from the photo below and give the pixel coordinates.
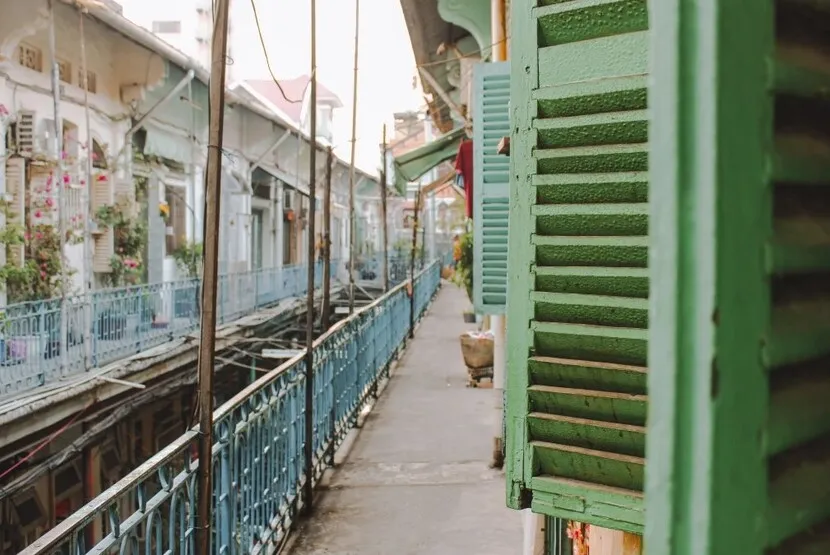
(115, 62)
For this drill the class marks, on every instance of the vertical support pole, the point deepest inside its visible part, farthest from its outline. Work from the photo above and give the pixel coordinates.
(89, 276)
(498, 27)
(497, 323)
(308, 486)
(412, 265)
(58, 145)
(207, 344)
(279, 221)
(352, 216)
(384, 214)
(3, 158)
(326, 310)
(431, 230)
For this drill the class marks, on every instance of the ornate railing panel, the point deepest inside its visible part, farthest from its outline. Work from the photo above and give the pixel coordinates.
(258, 455)
(121, 322)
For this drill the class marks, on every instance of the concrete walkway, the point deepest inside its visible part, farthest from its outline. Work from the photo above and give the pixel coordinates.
(416, 481)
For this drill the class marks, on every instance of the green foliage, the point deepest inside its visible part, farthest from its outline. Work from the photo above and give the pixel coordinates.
(188, 258)
(464, 268)
(130, 237)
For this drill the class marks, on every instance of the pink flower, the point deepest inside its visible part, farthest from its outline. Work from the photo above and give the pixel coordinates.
(38, 214)
(49, 180)
(63, 155)
(42, 274)
(83, 181)
(38, 235)
(101, 177)
(48, 188)
(66, 178)
(49, 202)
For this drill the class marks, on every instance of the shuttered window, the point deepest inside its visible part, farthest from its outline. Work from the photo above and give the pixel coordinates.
(578, 261)
(102, 195)
(741, 332)
(491, 122)
(16, 213)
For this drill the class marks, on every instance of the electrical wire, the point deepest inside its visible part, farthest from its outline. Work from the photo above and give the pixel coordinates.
(268, 60)
(45, 442)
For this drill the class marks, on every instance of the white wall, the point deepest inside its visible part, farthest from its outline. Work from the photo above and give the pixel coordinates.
(113, 59)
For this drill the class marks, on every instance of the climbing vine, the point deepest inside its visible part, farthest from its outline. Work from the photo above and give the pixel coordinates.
(130, 237)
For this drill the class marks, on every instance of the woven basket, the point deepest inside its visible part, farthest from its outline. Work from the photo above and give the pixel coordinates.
(477, 351)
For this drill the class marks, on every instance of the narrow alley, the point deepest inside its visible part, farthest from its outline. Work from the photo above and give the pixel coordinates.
(416, 478)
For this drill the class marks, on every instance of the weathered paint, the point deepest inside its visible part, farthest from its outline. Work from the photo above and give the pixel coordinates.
(578, 283)
(739, 432)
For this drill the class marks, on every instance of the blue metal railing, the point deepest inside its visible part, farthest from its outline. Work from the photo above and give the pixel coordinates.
(258, 460)
(121, 322)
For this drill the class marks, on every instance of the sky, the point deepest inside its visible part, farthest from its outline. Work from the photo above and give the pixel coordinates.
(386, 64)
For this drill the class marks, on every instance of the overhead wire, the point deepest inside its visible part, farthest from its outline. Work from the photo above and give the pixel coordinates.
(268, 60)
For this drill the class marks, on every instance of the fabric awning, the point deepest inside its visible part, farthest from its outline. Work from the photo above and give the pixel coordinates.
(415, 163)
(166, 144)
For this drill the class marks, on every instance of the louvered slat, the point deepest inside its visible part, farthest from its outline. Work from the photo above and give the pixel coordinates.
(742, 343)
(577, 395)
(102, 195)
(16, 214)
(491, 122)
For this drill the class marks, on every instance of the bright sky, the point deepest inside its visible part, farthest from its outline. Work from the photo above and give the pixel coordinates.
(386, 62)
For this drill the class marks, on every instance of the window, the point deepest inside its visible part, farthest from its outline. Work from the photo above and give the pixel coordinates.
(30, 57)
(172, 27)
(65, 71)
(91, 81)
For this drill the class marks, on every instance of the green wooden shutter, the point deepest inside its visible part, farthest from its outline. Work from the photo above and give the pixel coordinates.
(578, 276)
(739, 429)
(491, 122)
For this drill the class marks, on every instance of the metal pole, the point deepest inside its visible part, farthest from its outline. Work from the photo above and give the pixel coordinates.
(352, 222)
(326, 317)
(308, 485)
(383, 208)
(412, 265)
(207, 344)
(87, 196)
(56, 98)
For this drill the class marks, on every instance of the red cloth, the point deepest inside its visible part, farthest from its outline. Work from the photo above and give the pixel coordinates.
(464, 166)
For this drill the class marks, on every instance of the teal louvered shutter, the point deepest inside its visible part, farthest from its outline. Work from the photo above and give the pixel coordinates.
(491, 187)
(578, 261)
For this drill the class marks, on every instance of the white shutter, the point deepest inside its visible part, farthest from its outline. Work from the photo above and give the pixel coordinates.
(104, 242)
(124, 191)
(25, 133)
(16, 193)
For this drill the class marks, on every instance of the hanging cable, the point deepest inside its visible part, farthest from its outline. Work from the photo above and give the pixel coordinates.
(268, 60)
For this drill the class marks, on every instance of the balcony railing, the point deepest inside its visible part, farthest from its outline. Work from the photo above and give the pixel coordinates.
(258, 451)
(124, 321)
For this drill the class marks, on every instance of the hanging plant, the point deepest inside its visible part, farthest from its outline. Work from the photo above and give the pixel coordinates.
(164, 211)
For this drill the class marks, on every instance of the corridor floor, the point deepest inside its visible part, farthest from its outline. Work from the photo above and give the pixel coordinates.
(416, 481)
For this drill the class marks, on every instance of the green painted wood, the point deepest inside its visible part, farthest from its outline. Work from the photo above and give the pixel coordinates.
(578, 297)
(491, 190)
(739, 427)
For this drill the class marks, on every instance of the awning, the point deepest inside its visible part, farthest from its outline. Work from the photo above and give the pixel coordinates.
(166, 144)
(415, 163)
